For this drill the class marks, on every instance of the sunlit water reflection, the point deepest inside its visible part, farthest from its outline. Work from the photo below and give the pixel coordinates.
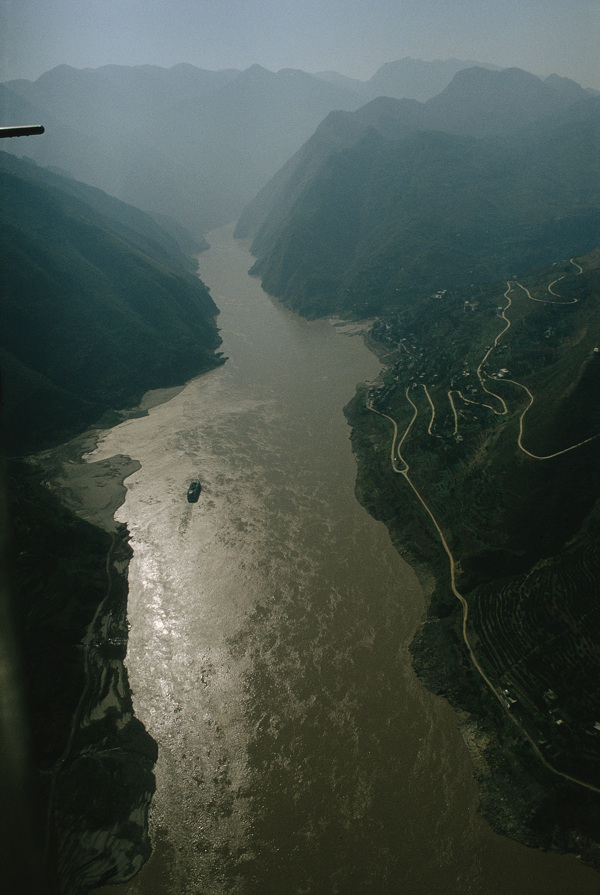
(270, 626)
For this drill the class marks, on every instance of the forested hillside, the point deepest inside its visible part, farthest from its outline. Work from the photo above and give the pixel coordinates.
(479, 448)
(99, 304)
(401, 199)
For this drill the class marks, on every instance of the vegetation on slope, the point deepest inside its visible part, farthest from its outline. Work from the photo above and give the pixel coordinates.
(503, 453)
(479, 446)
(396, 201)
(99, 305)
(91, 760)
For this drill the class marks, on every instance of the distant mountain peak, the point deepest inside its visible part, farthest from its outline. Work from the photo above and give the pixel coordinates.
(484, 102)
(409, 78)
(479, 74)
(58, 72)
(565, 86)
(256, 69)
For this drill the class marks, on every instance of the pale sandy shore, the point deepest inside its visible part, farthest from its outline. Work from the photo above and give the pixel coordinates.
(95, 490)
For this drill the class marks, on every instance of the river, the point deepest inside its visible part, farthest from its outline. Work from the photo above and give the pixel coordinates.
(269, 644)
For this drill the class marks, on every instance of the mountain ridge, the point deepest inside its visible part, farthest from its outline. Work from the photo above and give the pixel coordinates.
(444, 204)
(190, 143)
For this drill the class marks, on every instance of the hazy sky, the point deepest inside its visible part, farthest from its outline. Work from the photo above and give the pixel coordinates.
(354, 37)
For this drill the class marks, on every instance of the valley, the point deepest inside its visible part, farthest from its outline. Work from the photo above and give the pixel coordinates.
(448, 214)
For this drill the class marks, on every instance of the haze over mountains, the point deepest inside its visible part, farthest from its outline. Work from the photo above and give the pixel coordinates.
(498, 173)
(192, 144)
(99, 304)
(375, 198)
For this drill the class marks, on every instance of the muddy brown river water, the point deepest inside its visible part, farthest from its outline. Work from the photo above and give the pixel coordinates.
(269, 644)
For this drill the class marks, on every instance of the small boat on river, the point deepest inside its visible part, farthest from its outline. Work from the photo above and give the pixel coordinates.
(194, 490)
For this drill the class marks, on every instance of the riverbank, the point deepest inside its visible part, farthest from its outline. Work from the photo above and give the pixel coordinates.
(95, 490)
(269, 648)
(92, 490)
(92, 759)
(519, 797)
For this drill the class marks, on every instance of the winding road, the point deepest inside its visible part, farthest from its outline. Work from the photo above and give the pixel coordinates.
(403, 469)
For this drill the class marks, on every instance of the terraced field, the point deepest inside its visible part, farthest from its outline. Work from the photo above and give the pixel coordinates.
(488, 409)
(538, 636)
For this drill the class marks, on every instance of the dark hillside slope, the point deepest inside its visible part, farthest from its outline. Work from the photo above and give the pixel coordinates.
(496, 392)
(263, 217)
(380, 219)
(477, 102)
(98, 306)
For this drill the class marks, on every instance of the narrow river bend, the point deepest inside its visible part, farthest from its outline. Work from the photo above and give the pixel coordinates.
(269, 644)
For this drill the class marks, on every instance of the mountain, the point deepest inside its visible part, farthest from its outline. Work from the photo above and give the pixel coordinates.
(476, 103)
(414, 79)
(400, 198)
(484, 103)
(99, 304)
(191, 144)
(465, 229)
(405, 78)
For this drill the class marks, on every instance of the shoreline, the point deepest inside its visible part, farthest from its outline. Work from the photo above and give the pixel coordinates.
(516, 792)
(106, 736)
(95, 489)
